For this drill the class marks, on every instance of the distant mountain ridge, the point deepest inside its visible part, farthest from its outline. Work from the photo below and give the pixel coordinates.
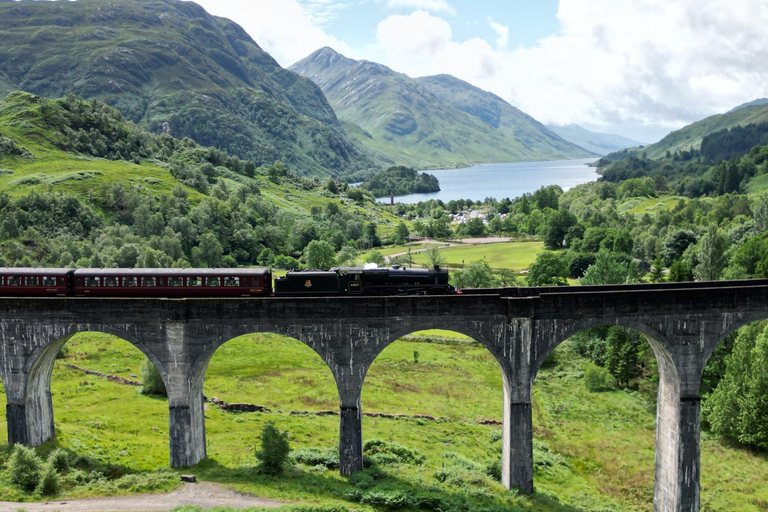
(690, 137)
(600, 143)
(172, 67)
(431, 121)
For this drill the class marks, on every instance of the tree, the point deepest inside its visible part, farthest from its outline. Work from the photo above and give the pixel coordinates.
(738, 407)
(273, 455)
(319, 254)
(657, 275)
(476, 274)
(680, 272)
(401, 233)
(151, 381)
(675, 245)
(375, 257)
(211, 251)
(611, 268)
(347, 256)
(434, 256)
(622, 359)
(760, 213)
(712, 255)
(548, 270)
(556, 228)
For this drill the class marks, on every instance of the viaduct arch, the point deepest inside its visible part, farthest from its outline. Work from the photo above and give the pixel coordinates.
(519, 326)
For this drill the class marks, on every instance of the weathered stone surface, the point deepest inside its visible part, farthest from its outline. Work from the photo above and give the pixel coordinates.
(520, 327)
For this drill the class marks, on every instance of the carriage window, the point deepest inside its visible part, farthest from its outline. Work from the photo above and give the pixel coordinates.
(130, 281)
(175, 281)
(111, 281)
(212, 281)
(247, 281)
(92, 281)
(148, 281)
(231, 281)
(2, 280)
(30, 280)
(14, 280)
(49, 281)
(195, 281)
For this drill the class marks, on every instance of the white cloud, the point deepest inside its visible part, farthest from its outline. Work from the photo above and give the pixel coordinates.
(426, 5)
(653, 65)
(503, 34)
(287, 29)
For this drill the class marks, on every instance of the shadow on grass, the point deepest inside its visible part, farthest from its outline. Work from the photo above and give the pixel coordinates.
(384, 491)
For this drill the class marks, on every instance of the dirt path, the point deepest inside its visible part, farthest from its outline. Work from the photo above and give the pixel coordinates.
(204, 494)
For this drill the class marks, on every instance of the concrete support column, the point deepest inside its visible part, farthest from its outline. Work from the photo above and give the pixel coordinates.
(16, 418)
(517, 446)
(678, 428)
(186, 434)
(350, 439)
(186, 415)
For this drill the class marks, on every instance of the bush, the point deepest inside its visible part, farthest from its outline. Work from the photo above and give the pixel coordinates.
(597, 378)
(328, 457)
(385, 452)
(273, 455)
(49, 481)
(59, 459)
(151, 381)
(24, 468)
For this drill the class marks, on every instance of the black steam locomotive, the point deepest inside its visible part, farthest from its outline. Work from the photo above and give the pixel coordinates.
(394, 280)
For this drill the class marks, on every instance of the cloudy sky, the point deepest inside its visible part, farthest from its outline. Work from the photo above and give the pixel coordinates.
(639, 68)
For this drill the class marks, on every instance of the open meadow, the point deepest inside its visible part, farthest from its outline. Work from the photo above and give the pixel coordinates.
(592, 451)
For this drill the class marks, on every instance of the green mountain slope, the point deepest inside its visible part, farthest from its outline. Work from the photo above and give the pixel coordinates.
(79, 184)
(434, 122)
(690, 137)
(173, 68)
(600, 143)
(500, 115)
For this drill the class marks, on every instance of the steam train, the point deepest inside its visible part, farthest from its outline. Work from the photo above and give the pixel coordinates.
(220, 282)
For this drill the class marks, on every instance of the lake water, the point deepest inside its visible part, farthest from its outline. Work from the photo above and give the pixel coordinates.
(504, 180)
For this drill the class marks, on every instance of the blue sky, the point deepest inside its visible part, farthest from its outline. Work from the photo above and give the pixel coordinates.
(638, 68)
(527, 20)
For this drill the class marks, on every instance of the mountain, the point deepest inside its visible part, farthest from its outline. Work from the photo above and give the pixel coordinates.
(600, 143)
(759, 101)
(428, 122)
(173, 68)
(690, 137)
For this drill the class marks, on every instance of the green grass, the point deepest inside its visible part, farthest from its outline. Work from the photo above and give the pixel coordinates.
(511, 255)
(650, 205)
(592, 452)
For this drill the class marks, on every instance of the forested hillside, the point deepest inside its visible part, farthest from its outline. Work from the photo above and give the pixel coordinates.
(79, 185)
(172, 68)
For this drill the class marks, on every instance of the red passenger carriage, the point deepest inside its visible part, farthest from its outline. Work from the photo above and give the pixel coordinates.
(172, 282)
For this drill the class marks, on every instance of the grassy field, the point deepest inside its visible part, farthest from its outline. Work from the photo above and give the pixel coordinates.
(592, 452)
(511, 255)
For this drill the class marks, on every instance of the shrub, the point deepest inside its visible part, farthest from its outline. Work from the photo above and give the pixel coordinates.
(385, 452)
(24, 468)
(151, 381)
(59, 459)
(273, 455)
(49, 481)
(328, 457)
(597, 378)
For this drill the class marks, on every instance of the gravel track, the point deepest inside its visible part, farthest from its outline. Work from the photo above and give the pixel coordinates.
(204, 494)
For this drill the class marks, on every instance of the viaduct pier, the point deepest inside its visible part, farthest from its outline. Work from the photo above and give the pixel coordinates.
(683, 322)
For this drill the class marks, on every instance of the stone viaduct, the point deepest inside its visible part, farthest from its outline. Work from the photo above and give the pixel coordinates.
(683, 322)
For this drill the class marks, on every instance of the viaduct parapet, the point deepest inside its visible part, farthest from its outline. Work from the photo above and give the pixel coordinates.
(519, 326)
